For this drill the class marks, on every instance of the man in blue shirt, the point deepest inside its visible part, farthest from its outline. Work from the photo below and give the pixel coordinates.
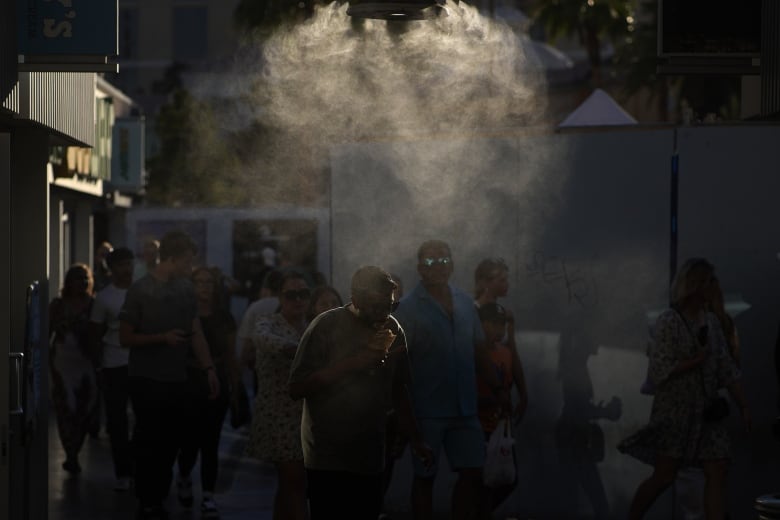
(446, 347)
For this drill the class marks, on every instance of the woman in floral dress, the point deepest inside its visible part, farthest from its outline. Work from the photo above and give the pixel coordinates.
(276, 419)
(689, 362)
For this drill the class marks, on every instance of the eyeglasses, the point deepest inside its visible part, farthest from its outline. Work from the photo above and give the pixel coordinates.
(300, 294)
(429, 261)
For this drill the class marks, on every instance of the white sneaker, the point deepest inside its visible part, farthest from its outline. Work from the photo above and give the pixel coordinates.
(122, 484)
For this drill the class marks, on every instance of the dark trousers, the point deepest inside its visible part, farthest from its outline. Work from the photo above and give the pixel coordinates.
(344, 495)
(160, 409)
(116, 393)
(205, 426)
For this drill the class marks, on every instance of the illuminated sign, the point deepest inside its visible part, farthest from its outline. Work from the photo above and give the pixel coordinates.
(67, 35)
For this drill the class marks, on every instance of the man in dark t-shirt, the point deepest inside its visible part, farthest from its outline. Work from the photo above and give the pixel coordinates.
(160, 326)
(351, 368)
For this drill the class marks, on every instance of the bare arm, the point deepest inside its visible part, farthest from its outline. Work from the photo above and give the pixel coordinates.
(201, 350)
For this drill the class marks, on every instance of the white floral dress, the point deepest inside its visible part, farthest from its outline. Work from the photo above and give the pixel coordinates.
(676, 428)
(276, 418)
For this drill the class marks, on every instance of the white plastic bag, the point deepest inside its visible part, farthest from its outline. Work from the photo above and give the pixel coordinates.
(500, 461)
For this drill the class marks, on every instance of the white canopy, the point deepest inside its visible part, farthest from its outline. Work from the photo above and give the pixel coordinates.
(598, 110)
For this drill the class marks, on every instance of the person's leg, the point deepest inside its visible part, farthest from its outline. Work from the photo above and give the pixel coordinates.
(464, 442)
(95, 415)
(498, 495)
(664, 472)
(194, 412)
(146, 435)
(84, 393)
(325, 492)
(367, 498)
(422, 498)
(62, 414)
(715, 488)
(466, 493)
(590, 480)
(689, 490)
(344, 496)
(432, 431)
(115, 396)
(215, 412)
(194, 423)
(290, 499)
(176, 409)
(391, 432)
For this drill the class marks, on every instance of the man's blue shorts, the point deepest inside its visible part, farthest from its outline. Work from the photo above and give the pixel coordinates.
(462, 438)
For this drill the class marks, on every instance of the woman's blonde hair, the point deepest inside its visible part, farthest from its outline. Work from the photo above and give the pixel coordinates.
(685, 283)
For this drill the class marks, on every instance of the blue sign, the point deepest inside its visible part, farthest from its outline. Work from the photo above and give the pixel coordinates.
(67, 27)
(128, 154)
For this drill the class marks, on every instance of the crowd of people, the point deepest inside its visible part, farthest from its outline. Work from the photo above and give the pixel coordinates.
(340, 390)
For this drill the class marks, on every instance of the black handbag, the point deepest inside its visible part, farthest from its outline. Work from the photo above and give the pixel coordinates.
(716, 410)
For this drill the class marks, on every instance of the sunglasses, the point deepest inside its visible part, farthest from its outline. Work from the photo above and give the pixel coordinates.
(300, 294)
(380, 307)
(428, 262)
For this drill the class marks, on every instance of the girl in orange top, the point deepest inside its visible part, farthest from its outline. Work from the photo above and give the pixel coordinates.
(490, 410)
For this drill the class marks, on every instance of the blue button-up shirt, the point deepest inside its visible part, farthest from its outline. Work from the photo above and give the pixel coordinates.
(441, 352)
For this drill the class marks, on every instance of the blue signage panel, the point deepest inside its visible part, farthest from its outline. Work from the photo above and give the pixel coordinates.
(68, 27)
(128, 155)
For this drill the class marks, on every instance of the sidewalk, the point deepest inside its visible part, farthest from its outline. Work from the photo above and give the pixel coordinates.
(245, 488)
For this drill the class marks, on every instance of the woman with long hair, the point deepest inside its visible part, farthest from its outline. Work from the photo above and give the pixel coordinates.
(276, 420)
(73, 363)
(689, 362)
(219, 328)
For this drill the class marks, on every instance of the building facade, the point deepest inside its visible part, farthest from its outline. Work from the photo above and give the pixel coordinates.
(58, 122)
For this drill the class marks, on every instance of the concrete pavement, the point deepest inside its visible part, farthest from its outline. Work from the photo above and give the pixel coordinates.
(245, 487)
